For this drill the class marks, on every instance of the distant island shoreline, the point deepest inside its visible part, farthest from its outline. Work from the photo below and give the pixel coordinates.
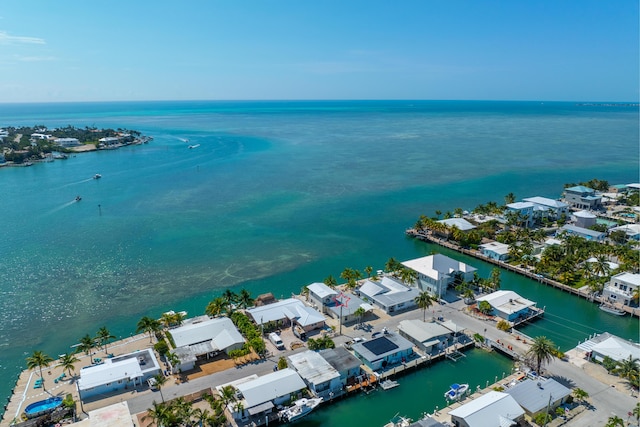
(22, 146)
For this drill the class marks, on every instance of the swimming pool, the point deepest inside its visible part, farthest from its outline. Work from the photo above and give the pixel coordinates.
(42, 407)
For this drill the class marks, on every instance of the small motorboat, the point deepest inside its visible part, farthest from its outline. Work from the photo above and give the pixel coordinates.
(194, 146)
(97, 176)
(299, 409)
(399, 421)
(78, 198)
(456, 391)
(389, 384)
(612, 310)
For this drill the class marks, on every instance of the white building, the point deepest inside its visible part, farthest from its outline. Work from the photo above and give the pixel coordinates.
(321, 378)
(117, 374)
(288, 312)
(427, 336)
(494, 409)
(544, 207)
(540, 395)
(203, 337)
(615, 348)
(389, 294)
(621, 288)
(435, 272)
(321, 295)
(262, 394)
(67, 142)
(460, 223)
(508, 305)
(495, 250)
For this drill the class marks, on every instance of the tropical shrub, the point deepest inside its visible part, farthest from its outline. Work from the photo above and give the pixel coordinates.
(503, 325)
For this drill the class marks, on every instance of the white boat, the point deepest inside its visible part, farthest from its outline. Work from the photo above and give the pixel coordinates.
(456, 391)
(389, 384)
(194, 146)
(97, 176)
(299, 409)
(612, 310)
(399, 421)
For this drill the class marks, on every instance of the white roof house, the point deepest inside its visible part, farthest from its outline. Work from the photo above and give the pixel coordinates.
(290, 309)
(489, 410)
(495, 250)
(436, 271)
(389, 294)
(115, 415)
(220, 331)
(460, 223)
(320, 376)
(631, 230)
(535, 396)
(321, 290)
(424, 334)
(615, 348)
(507, 304)
(547, 203)
(270, 387)
(115, 373)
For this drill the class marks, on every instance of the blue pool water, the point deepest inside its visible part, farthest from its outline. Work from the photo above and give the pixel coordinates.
(43, 406)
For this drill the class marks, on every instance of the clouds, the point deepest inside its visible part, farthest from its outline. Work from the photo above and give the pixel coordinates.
(6, 38)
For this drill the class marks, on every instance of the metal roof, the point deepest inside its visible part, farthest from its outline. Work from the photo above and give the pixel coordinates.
(340, 358)
(312, 367)
(290, 308)
(321, 290)
(423, 332)
(486, 410)
(270, 386)
(534, 396)
(507, 301)
(221, 331)
(437, 266)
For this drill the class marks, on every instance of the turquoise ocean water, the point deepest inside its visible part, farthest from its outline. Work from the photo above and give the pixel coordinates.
(279, 195)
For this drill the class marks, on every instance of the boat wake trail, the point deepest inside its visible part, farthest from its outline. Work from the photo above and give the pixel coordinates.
(59, 208)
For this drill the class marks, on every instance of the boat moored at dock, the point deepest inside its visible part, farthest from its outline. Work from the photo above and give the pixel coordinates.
(299, 409)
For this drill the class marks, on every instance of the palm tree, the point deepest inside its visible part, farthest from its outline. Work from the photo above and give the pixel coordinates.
(87, 342)
(541, 351)
(228, 394)
(359, 313)
(173, 360)
(160, 414)
(330, 281)
(67, 361)
(148, 325)
(628, 369)
(509, 198)
(368, 269)
(103, 336)
(244, 299)
(636, 412)
(229, 298)
(495, 278)
(39, 360)
(160, 381)
(215, 307)
(424, 301)
(614, 421)
(580, 394)
(408, 275)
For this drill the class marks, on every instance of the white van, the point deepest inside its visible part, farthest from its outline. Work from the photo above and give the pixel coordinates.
(275, 339)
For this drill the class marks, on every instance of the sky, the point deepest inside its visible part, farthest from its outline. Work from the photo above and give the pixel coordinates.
(121, 50)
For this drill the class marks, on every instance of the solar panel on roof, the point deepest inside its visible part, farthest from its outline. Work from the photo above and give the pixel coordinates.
(379, 346)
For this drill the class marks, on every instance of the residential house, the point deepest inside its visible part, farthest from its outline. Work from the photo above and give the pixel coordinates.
(495, 250)
(493, 409)
(539, 395)
(435, 272)
(116, 414)
(344, 308)
(322, 379)
(287, 313)
(203, 337)
(383, 351)
(117, 374)
(389, 294)
(67, 142)
(581, 197)
(544, 207)
(615, 348)
(109, 141)
(522, 212)
(631, 230)
(508, 305)
(345, 363)
(260, 395)
(585, 233)
(459, 223)
(584, 219)
(321, 295)
(427, 336)
(621, 288)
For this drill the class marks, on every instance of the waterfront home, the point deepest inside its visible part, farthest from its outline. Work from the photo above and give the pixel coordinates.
(321, 378)
(321, 295)
(613, 347)
(345, 363)
(631, 230)
(539, 395)
(388, 349)
(491, 409)
(460, 223)
(523, 212)
(345, 308)
(389, 295)
(259, 396)
(581, 197)
(108, 141)
(202, 337)
(287, 313)
(495, 250)
(621, 288)
(585, 233)
(427, 336)
(67, 142)
(435, 272)
(117, 374)
(508, 305)
(544, 207)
